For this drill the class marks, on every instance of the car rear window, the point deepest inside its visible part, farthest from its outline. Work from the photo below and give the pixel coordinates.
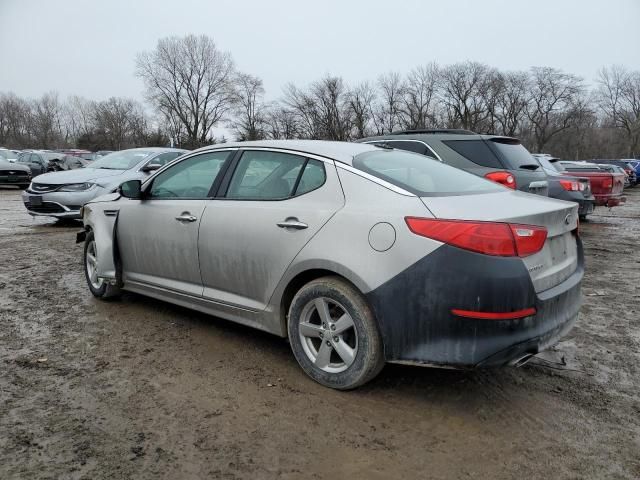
(421, 175)
(512, 153)
(475, 150)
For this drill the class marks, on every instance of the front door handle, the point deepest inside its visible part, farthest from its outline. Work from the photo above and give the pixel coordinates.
(292, 222)
(186, 217)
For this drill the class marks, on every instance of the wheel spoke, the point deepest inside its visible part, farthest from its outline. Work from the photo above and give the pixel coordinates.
(91, 258)
(324, 355)
(345, 322)
(346, 353)
(323, 309)
(93, 276)
(310, 330)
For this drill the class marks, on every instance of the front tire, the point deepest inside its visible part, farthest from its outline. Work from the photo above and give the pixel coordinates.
(334, 335)
(98, 287)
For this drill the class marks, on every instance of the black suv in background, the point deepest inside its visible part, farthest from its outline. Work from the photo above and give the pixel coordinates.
(501, 159)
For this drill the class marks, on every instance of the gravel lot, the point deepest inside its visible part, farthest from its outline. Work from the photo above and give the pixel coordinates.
(136, 388)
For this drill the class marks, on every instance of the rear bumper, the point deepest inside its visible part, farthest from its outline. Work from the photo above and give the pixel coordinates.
(414, 310)
(609, 200)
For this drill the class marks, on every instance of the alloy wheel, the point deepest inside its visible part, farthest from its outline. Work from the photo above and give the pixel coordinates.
(328, 335)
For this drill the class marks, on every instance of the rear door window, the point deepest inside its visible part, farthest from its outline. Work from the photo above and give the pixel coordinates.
(264, 175)
(476, 151)
(421, 176)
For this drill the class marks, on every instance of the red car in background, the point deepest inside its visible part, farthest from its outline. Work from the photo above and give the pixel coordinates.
(606, 187)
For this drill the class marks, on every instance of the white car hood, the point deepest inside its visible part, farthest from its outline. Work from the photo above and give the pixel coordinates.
(79, 175)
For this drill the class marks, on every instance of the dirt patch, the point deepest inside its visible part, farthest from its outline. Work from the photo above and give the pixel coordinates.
(137, 388)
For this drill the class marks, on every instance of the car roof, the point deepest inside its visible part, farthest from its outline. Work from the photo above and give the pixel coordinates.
(341, 151)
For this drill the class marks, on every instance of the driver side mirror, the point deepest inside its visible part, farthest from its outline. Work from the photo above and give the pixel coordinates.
(131, 189)
(150, 167)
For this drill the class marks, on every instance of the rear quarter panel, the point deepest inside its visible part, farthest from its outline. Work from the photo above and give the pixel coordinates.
(343, 245)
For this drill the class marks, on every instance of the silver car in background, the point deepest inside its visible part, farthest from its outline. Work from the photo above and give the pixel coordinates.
(62, 194)
(360, 255)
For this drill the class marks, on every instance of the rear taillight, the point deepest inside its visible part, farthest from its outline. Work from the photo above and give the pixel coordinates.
(489, 238)
(529, 238)
(571, 185)
(503, 178)
(607, 182)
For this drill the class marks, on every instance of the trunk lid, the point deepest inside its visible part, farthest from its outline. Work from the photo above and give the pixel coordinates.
(557, 260)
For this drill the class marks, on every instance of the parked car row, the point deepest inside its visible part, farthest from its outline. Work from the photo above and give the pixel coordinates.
(61, 194)
(38, 162)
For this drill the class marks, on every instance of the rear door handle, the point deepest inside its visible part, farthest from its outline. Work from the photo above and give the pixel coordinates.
(186, 217)
(292, 222)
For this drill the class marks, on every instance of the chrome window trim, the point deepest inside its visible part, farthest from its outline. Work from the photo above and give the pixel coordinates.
(336, 163)
(299, 153)
(387, 140)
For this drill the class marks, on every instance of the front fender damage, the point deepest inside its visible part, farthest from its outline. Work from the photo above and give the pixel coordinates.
(103, 221)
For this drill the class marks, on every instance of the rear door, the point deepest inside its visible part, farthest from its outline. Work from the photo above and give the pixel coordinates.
(271, 204)
(158, 236)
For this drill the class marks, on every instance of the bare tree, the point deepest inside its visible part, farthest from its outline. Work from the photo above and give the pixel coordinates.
(322, 111)
(463, 95)
(249, 108)
(511, 100)
(360, 102)
(555, 103)
(121, 121)
(387, 110)
(618, 96)
(419, 97)
(78, 117)
(280, 123)
(190, 80)
(46, 117)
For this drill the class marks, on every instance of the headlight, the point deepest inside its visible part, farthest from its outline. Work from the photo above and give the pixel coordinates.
(76, 187)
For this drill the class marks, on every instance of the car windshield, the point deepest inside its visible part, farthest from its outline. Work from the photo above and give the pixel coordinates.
(7, 154)
(123, 160)
(421, 175)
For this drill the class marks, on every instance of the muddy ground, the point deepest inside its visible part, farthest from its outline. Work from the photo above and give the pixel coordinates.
(137, 388)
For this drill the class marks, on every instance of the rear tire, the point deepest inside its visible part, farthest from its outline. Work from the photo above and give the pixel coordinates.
(334, 335)
(98, 287)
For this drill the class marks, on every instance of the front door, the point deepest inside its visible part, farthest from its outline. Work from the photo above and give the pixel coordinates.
(158, 236)
(274, 204)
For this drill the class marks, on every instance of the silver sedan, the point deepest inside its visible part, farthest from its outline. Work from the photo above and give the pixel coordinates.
(62, 194)
(359, 254)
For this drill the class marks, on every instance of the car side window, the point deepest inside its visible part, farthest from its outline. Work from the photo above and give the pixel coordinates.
(313, 176)
(263, 175)
(192, 178)
(35, 158)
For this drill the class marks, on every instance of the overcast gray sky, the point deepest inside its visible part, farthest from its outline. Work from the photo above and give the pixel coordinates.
(88, 47)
